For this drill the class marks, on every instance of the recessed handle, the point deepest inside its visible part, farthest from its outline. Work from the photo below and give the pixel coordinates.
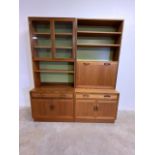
(86, 63)
(51, 107)
(85, 95)
(107, 96)
(62, 95)
(95, 108)
(107, 64)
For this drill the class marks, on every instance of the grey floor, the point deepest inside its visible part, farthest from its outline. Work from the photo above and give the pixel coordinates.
(48, 138)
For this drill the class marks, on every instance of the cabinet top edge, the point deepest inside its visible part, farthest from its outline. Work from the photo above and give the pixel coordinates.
(90, 90)
(79, 19)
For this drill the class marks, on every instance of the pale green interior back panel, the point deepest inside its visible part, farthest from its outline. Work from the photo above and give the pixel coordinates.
(56, 65)
(64, 41)
(44, 53)
(63, 53)
(44, 41)
(57, 77)
(97, 28)
(95, 54)
(95, 40)
(42, 27)
(63, 27)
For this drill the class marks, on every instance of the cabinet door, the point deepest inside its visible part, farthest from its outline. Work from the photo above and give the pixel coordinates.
(52, 109)
(106, 110)
(85, 110)
(96, 74)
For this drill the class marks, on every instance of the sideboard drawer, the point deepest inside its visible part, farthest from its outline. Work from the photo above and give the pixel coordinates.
(96, 96)
(52, 95)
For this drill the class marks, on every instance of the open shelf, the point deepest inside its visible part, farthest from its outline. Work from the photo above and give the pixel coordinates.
(99, 33)
(53, 60)
(63, 47)
(42, 33)
(63, 34)
(56, 77)
(55, 86)
(55, 71)
(98, 45)
(104, 53)
(42, 46)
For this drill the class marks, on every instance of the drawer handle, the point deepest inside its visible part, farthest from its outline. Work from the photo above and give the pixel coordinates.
(107, 96)
(86, 63)
(107, 64)
(95, 108)
(51, 107)
(62, 95)
(85, 95)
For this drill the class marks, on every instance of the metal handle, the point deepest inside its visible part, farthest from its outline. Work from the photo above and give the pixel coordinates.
(107, 64)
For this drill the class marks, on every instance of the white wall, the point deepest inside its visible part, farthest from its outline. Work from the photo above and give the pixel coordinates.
(123, 9)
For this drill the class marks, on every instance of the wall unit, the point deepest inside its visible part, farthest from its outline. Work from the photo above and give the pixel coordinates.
(75, 65)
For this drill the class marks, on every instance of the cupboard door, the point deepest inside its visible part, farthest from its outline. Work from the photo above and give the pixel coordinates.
(85, 110)
(96, 74)
(52, 109)
(106, 110)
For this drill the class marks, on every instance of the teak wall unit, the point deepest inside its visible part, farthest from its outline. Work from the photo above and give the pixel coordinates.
(75, 65)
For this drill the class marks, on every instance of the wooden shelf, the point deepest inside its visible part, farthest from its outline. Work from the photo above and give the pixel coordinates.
(54, 71)
(63, 47)
(42, 47)
(97, 45)
(53, 60)
(97, 33)
(63, 34)
(41, 33)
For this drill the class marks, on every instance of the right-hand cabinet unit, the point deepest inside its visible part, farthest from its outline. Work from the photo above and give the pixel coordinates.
(97, 60)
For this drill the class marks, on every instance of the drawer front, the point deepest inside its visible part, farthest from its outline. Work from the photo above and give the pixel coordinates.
(54, 109)
(50, 95)
(96, 96)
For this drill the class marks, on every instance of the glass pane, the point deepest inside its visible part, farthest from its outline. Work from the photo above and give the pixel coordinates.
(43, 53)
(63, 27)
(65, 41)
(63, 53)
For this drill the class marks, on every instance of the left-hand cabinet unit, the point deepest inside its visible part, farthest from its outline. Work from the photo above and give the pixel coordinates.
(53, 59)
